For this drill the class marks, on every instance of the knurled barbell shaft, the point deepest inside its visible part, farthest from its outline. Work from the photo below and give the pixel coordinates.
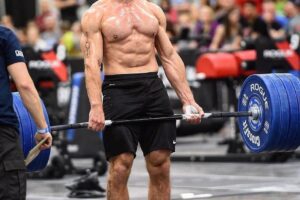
(153, 119)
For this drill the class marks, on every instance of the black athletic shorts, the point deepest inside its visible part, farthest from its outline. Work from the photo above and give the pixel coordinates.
(131, 96)
(12, 166)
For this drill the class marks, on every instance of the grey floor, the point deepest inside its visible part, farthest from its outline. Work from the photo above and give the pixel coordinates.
(194, 180)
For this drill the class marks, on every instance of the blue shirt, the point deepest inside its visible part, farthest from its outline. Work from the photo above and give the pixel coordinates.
(10, 53)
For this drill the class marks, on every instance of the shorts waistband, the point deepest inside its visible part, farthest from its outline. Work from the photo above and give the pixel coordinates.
(119, 77)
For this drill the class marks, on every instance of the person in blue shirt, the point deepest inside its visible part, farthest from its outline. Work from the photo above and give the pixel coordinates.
(12, 165)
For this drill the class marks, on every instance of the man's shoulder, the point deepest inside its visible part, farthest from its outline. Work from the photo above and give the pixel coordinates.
(156, 10)
(98, 6)
(93, 15)
(5, 32)
(96, 10)
(154, 7)
(7, 36)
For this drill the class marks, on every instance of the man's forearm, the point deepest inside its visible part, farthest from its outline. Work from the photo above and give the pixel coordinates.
(33, 104)
(175, 72)
(93, 85)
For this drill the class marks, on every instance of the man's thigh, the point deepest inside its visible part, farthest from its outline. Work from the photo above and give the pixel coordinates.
(12, 166)
(12, 183)
(158, 136)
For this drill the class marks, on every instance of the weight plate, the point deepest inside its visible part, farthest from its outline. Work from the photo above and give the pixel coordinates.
(27, 132)
(296, 84)
(284, 110)
(293, 109)
(24, 126)
(21, 138)
(259, 136)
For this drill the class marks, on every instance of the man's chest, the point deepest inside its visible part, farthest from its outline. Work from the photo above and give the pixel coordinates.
(124, 21)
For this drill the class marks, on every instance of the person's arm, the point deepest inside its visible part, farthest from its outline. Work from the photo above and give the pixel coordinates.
(28, 93)
(277, 34)
(19, 73)
(174, 67)
(217, 39)
(92, 48)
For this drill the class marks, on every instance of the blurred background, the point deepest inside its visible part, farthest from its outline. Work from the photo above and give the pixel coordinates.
(220, 41)
(192, 24)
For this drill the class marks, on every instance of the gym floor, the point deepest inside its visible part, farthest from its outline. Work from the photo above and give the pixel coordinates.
(199, 180)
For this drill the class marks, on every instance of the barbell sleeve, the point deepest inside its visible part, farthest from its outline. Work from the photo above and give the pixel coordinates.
(227, 114)
(153, 119)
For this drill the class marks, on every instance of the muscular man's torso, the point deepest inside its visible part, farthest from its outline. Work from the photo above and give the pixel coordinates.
(128, 31)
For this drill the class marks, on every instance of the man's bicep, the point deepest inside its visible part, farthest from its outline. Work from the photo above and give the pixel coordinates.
(92, 50)
(91, 40)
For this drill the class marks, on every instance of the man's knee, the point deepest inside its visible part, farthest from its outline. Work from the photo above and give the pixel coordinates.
(120, 166)
(158, 163)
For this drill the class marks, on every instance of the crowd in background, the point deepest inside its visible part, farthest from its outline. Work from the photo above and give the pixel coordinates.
(191, 24)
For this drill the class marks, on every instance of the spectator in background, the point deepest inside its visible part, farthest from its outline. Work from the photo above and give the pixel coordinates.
(68, 10)
(290, 9)
(184, 30)
(257, 3)
(71, 40)
(46, 8)
(279, 6)
(279, 9)
(205, 26)
(170, 30)
(34, 40)
(209, 3)
(249, 18)
(6, 21)
(228, 34)
(222, 8)
(255, 26)
(294, 24)
(195, 7)
(51, 35)
(170, 12)
(21, 35)
(274, 28)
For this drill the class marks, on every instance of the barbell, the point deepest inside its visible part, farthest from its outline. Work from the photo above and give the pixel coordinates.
(268, 117)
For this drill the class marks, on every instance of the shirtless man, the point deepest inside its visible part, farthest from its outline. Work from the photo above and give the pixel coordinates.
(123, 35)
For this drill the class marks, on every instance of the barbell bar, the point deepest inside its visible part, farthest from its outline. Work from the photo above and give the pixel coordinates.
(153, 119)
(268, 117)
